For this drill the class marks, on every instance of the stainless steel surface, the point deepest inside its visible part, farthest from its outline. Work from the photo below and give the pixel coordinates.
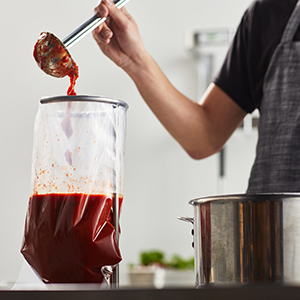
(88, 26)
(247, 239)
(108, 100)
(115, 278)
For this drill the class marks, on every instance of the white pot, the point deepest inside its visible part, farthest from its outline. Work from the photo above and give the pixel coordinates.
(142, 276)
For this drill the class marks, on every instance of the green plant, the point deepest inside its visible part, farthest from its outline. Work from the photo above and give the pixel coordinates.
(178, 262)
(152, 257)
(156, 257)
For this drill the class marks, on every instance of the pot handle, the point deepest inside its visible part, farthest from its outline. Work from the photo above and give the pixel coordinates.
(186, 219)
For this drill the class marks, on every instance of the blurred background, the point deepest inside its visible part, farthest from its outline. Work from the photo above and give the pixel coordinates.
(160, 178)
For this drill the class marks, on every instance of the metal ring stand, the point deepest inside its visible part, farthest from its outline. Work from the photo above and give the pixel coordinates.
(114, 279)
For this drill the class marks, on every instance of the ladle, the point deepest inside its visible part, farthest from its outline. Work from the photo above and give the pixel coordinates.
(52, 55)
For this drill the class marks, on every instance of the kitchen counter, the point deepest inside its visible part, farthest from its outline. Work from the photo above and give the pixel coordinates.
(254, 292)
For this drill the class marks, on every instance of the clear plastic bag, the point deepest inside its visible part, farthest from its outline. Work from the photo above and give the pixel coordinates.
(77, 177)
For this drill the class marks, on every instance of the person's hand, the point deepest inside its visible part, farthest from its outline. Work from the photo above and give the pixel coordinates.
(118, 37)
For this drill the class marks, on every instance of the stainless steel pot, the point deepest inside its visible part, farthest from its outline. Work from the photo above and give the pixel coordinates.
(247, 239)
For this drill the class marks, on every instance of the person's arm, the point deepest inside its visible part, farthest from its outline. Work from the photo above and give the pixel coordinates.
(201, 128)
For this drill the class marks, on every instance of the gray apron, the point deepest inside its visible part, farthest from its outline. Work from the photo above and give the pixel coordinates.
(277, 164)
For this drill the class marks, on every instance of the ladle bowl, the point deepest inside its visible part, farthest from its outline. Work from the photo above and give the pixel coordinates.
(52, 56)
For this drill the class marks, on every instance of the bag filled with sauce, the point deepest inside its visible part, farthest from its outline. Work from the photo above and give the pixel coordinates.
(77, 176)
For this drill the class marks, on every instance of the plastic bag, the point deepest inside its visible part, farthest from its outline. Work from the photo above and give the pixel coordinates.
(77, 173)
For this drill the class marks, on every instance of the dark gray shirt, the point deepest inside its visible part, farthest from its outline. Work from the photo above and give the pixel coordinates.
(258, 35)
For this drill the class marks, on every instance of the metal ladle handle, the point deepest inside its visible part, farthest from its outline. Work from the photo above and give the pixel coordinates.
(88, 26)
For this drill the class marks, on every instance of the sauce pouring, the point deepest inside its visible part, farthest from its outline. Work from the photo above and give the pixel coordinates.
(52, 55)
(54, 59)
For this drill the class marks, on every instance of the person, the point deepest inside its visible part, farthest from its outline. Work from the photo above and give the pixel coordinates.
(261, 70)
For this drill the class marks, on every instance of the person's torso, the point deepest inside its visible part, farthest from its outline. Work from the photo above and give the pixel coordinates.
(277, 163)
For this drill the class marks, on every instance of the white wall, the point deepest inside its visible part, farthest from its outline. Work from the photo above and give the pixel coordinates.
(160, 178)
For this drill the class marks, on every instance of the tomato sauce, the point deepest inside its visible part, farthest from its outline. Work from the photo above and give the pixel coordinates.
(73, 77)
(55, 60)
(70, 237)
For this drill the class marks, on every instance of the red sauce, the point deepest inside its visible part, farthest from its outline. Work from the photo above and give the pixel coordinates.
(70, 237)
(73, 77)
(35, 51)
(55, 60)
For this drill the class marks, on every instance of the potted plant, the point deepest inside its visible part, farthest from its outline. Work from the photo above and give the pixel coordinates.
(146, 272)
(154, 270)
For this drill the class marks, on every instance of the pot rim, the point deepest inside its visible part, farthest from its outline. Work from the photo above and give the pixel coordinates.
(84, 98)
(255, 197)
